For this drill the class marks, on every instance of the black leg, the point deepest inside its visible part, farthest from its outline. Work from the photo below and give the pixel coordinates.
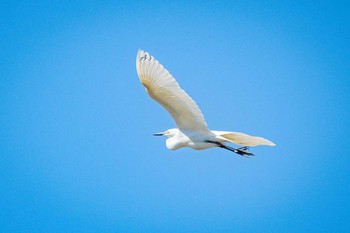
(241, 151)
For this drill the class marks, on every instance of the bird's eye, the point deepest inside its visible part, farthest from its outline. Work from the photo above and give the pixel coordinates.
(166, 132)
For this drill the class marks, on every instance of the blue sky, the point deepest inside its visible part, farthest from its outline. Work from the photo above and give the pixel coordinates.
(77, 151)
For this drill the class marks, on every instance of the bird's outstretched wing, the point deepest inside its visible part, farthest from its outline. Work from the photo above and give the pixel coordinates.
(164, 89)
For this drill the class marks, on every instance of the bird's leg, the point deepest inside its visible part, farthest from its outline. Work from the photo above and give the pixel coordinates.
(241, 151)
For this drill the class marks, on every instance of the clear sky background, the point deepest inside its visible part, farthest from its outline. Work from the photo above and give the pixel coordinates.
(76, 144)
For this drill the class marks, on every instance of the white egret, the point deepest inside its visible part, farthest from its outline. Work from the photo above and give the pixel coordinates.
(192, 130)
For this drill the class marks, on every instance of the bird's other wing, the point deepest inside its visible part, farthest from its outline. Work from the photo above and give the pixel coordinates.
(164, 89)
(242, 139)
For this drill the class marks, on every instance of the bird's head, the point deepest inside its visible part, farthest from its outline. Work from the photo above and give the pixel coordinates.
(168, 133)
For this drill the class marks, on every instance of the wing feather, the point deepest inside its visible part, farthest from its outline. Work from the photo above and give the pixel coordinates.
(164, 89)
(243, 139)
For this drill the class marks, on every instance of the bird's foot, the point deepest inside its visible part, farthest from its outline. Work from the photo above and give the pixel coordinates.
(243, 152)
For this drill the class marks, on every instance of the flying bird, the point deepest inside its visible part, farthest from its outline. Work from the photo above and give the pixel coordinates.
(192, 130)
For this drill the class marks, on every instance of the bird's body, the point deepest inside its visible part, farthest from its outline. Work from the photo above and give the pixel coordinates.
(192, 129)
(195, 140)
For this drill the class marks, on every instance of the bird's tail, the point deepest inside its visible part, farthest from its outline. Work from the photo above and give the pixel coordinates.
(242, 139)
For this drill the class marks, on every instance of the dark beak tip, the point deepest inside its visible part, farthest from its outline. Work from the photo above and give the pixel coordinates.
(158, 134)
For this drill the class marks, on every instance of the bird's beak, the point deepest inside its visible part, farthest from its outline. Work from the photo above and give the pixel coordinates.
(158, 134)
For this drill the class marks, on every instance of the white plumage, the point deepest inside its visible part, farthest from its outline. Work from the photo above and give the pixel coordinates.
(192, 129)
